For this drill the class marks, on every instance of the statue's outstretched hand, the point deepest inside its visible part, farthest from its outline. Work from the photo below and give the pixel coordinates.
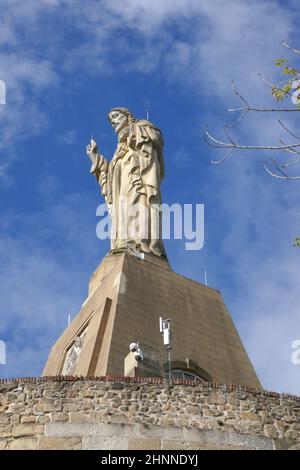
(92, 150)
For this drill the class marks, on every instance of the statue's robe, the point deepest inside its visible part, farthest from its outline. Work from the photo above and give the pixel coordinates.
(131, 186)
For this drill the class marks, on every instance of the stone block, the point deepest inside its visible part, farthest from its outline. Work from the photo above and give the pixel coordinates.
(50, 407)
(248, 416)
(29, 429)
(105, 443)
(205, 435)
(250, 440)
(3, 444)
(144, 444)
(216, 399)
(78, 417)
(25, 443)
(61, 416)
(118, 419)
(28, 419)
(115, 430)
(63, 429)
(5, 431)
(186, 445)
(161, 432)
(59, 443)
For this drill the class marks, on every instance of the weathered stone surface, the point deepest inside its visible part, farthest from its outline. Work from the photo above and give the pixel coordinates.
(110, 329)
(69, 429)
(76, 417)
(60, 416)
(163, 432)
(216, 399)
(250, 440)
(3, 444)
(119, 418)
(205, 435)
(194, 445)
(134, 415)
(144, 444)
(28, 419)
(295, 447)
(59, 443)
(27, 430)
(15, 419)
(25, 443)
(245, 416)
(118, 430)
(104, 443)
(6, 431)
(271, 431)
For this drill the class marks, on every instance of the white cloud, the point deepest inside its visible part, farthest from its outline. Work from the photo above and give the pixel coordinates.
(44, 277)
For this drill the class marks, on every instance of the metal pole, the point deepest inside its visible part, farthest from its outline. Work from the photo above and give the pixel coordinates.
(169, 360)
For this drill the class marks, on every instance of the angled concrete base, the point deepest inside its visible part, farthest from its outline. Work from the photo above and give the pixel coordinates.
(127, 295)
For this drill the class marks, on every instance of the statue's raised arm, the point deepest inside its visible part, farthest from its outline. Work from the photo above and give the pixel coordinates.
(99, 167)
(131, 183)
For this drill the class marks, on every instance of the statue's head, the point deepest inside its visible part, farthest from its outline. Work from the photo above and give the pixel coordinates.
(120, 118)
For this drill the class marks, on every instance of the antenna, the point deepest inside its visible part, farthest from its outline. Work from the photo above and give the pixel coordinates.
(69, 320)
(147, 114)
(165, 331)
(205, 278)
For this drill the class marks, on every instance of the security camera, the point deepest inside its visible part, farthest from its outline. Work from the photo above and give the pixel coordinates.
(133, 347)
(136, 351)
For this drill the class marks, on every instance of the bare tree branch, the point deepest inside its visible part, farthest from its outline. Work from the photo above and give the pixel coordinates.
(296, 51)
(287, 165)
(286, 88)
(288, 130)
(266, 110)
(278, 168)
(213, 142)
(227, 155)
(273, 85)
(293, 151)
(286, 177)
(248, 108)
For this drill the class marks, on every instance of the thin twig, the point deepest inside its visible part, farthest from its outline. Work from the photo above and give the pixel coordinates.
(272, 85)
(293, 151)
(288, 130)
(248, 108)
(278, 168)
(287, 165)
(266, 110)
(217, 162)
(279, 176)
(221, 144)
(296, 51)
(228, 136)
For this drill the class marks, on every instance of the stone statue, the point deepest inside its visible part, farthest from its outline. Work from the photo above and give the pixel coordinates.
(73, 354)
(130, 183)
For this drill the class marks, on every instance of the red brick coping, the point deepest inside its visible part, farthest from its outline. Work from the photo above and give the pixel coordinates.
(150, 380)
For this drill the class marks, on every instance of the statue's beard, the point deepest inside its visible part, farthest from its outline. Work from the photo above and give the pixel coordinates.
(123, 134)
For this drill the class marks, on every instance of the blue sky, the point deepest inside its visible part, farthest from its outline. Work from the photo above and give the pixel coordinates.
(66, 64)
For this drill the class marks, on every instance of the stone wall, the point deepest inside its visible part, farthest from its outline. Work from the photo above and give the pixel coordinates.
(118, 413)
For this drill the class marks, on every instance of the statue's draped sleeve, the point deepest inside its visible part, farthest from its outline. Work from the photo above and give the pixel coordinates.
(100, 169)
(146, 148)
